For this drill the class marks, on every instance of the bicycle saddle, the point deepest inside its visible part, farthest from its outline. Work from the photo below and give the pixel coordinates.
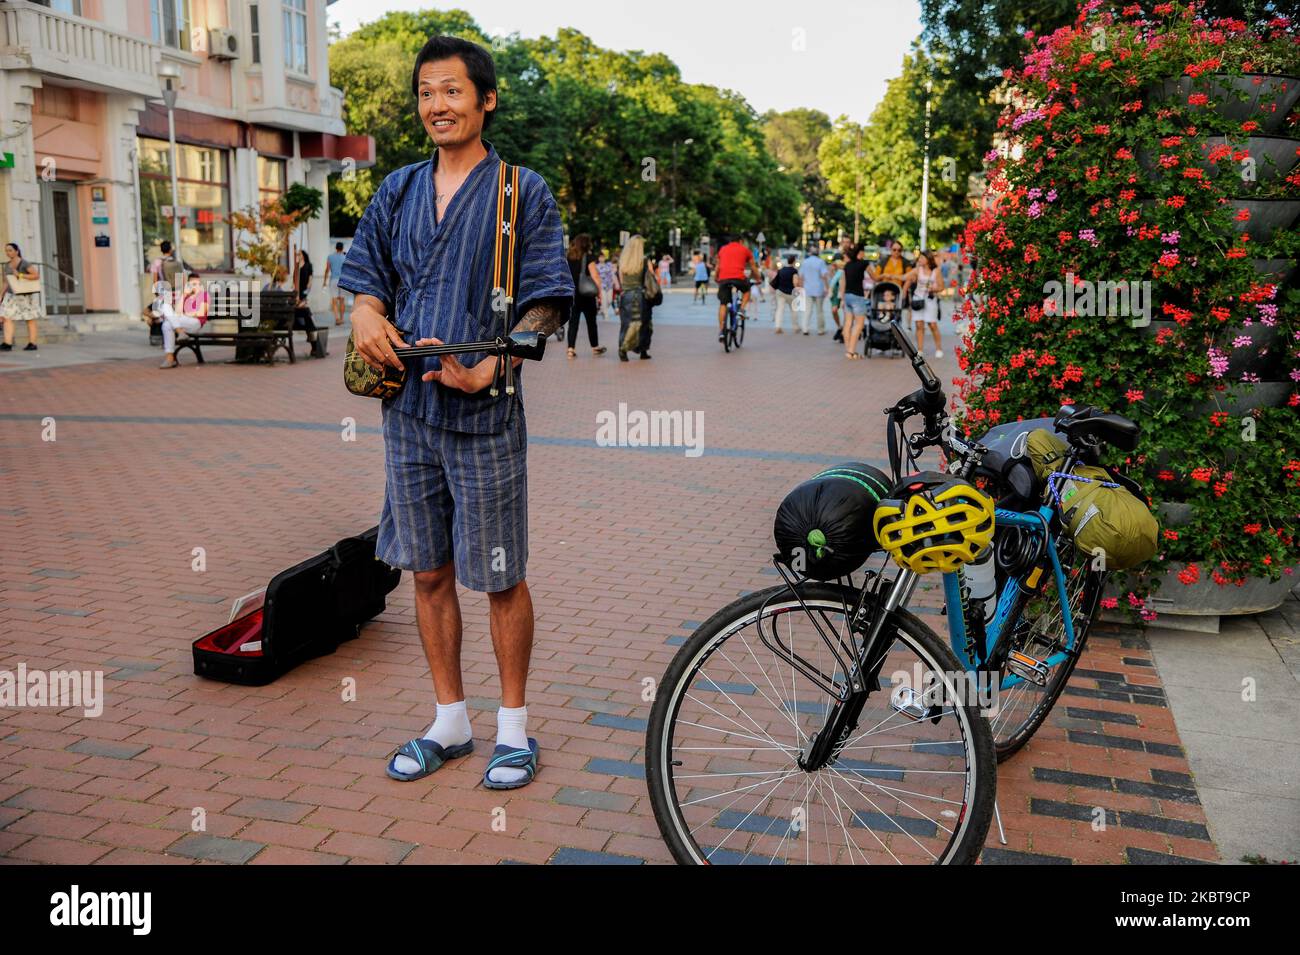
(1086, 426)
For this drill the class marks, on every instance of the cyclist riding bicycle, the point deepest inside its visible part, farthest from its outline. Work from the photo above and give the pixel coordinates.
(736, 266)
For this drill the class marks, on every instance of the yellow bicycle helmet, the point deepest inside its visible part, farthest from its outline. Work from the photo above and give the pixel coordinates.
(934, 521)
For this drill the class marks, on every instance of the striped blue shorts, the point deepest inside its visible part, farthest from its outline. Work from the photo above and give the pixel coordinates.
(449, 495)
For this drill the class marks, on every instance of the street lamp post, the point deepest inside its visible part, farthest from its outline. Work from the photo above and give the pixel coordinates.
(673, 196)
(925, 176)
(857, 189)
(170, 75)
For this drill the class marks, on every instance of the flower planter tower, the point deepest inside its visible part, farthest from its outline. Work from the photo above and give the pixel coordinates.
(1152, 162)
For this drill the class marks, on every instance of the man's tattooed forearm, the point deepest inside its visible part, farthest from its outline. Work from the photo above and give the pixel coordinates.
(544, 317)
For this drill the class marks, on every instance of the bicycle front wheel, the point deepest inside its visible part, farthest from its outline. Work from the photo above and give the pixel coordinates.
(740, 332)
(908, 784)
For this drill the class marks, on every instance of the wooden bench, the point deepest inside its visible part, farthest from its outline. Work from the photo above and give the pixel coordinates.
(252, 344)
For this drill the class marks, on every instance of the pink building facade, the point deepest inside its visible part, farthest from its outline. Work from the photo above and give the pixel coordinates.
(85, 186)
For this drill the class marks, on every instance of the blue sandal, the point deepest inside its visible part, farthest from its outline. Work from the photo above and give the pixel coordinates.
(429, 754)
(503, 757)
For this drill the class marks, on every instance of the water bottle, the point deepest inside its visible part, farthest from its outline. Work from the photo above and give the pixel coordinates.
(981, 578)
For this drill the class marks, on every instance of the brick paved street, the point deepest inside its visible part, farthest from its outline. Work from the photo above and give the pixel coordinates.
(630, 549)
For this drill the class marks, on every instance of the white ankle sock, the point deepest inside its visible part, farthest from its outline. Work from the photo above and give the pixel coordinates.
(512, 731)
(451, 728)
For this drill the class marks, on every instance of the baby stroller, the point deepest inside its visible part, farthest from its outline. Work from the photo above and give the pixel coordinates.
(884, 309)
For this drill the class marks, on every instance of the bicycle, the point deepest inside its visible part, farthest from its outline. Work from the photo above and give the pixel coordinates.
(733, 332)
(873, 722)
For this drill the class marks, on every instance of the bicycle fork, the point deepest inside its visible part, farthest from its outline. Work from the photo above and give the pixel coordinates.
(843, 717)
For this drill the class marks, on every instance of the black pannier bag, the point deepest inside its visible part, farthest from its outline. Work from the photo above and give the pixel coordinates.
(823, 527)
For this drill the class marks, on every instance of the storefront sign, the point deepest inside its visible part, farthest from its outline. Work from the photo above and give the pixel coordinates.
(98, 205)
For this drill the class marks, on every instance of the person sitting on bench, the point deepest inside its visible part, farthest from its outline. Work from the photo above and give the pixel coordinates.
(193, 316)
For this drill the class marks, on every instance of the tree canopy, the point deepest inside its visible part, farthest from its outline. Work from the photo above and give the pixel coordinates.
(607, 129)
(884, 181)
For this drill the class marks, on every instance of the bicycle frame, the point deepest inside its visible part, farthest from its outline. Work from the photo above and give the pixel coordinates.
(1004, 619)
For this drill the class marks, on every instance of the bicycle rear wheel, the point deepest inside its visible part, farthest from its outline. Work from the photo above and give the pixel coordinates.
(732, 717)
(1040, 633)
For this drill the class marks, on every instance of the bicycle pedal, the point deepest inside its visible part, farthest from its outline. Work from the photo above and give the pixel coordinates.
(907, 701)
(1027, 668)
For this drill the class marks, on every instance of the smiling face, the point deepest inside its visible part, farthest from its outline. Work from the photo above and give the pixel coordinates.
(11, 251)
(448, 103)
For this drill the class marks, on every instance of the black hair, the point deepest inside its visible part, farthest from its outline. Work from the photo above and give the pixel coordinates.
(338, 245)
(789, 259)
(16, 248)
(165, 246)
(305, 257)
(478, 62)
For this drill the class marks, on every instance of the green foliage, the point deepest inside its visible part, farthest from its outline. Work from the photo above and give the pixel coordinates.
(974, 41)
(302, 200)
(794, 138)
(886, 178)
(599, 125)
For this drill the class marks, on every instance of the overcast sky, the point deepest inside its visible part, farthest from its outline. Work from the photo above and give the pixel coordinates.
(850, 49)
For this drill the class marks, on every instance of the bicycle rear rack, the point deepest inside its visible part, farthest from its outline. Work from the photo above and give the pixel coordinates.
(847, 656)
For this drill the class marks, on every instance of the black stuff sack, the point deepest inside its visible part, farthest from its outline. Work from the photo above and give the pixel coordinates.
(823, 527)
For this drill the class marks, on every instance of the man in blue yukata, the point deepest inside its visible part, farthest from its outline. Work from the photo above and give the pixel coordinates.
(455, 457)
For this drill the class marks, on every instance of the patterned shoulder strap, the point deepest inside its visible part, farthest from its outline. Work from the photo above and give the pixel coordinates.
(503, 255)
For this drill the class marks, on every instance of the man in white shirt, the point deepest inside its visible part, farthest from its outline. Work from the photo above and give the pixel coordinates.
(814, 274)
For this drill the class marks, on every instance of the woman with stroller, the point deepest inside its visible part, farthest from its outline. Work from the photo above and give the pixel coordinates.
(922, 283)
(893, 268)
(855, 299)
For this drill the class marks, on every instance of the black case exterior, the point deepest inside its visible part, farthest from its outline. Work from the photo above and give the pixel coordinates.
(309, 610)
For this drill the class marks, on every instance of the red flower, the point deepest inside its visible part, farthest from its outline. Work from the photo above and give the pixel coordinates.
(1202, 474)
(1133, 394)
(1197, 99)
(1252, 529)
(1170, 535)
(1189, 574)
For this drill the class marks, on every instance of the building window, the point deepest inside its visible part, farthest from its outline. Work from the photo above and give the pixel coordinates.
(62, 6)
(255, 32)
(271, 176)
(203, 187)
(295, 35)
(171, 23)
(58, 102)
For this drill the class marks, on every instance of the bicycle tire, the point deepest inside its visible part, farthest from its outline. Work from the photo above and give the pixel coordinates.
(727, 335)
(740, 331)
(978, 813)
(1090, 602)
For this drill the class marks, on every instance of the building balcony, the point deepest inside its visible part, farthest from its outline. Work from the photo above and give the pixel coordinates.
(37, 38)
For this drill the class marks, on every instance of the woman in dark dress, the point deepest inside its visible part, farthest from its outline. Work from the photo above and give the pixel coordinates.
(302, 287)
(586, 295)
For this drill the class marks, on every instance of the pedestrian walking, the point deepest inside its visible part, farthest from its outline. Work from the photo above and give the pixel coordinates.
(608, 273)
(632, 264)
(924, 279)
(855, 301)
(783, 283)
(586, 296)
(21, 299)
(814, 274)
(338, 298)
(836, 289)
